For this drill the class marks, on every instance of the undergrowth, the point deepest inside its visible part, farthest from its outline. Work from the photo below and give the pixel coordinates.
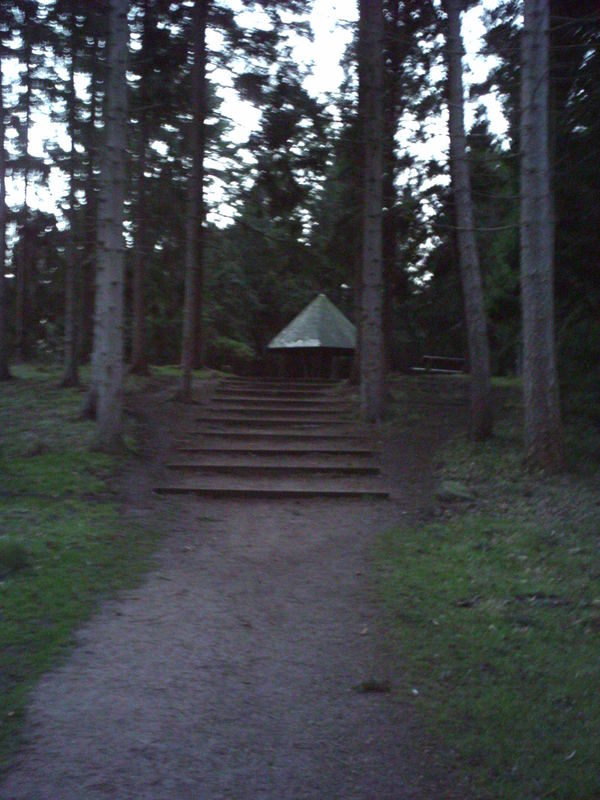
(64, 543)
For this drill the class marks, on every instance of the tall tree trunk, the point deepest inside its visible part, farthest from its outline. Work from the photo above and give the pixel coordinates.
(390, 122)
(355, 368)
(21, 353)
(193, 268)
(479, 358)
(543, 439)
(200, 347)
(139, 361)
(4, 370)
(22, 265)
(354, 376)
(88, 261)
(371, 319)
(71, 371)
(107, 358)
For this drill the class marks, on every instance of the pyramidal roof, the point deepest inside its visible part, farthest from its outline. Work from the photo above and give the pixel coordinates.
(321, 324)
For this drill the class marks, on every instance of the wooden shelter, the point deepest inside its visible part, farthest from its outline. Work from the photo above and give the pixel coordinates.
(317, 343)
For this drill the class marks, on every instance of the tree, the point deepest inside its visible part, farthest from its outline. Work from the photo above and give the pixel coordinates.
(139, 360)
(195, 212)
(76, 30)
(410, 27)
(32, 34)
(4, 370)
(543, 441)
(371, 317)
(574, 112)
(154, 95)
(107, 357)
(90, 139)
(278, 216)
(479, 358)
(71, 372)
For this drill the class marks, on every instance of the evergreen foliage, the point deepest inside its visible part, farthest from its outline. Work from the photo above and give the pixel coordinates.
(292, 223)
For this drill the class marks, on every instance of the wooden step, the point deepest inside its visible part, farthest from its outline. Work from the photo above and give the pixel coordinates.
(315, 390)
(273, 469)
(279, 450)
(278, 410)
(252, 401)
(247, 392)
(273, 493)
(277, 382)
(291, 435)
(272, 421)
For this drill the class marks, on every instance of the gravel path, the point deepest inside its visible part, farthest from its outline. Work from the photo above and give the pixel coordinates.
(231, 672)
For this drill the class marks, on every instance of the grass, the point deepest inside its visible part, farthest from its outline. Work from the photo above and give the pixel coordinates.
(64, 543)
(13, 557)
(174, 371)
(495, 609)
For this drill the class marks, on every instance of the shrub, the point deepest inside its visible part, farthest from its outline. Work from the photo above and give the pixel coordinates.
(230, 354)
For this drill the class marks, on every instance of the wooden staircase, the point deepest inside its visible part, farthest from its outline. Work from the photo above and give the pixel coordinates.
(275, 439)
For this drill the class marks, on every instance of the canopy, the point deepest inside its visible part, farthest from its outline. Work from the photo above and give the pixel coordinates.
(321, 324)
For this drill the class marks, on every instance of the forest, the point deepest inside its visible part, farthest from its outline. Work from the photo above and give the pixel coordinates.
(273, 636)
(219, 244)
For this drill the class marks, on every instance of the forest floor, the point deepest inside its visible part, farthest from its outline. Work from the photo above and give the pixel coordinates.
(252, 662)
(442, 643)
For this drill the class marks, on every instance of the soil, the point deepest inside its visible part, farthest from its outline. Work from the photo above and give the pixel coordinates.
(232, 671)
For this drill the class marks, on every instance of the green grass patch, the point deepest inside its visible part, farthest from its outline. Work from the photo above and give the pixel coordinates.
(174, 371)
(495, 611)
(500, 624)
(507, 382)
(64, 543)
(416, 400)
(13, 557)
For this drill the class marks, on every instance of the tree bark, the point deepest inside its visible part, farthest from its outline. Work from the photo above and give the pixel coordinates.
(479, 358)
(192, 318)
(88, 261)
(354, 376)
(107, 357)
(371, 318)
(21, 351)
(22, 265)
(389, 192)
(139, 361)
(71, 356)
(4, 369)
(543, 439)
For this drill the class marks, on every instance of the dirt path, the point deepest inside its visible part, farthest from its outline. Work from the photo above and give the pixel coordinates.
(230, 672)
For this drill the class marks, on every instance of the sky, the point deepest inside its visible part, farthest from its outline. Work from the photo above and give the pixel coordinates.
(331, 24)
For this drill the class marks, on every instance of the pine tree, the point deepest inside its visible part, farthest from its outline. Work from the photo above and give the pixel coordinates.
(543, 441)
(139, 360)
(193, 303)
(90, 139)
(479, 358)
(32, 33)
(158, 67)
(409, 29)
(71, 369)
(107, 357)
(4, 368)
(371, 318)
